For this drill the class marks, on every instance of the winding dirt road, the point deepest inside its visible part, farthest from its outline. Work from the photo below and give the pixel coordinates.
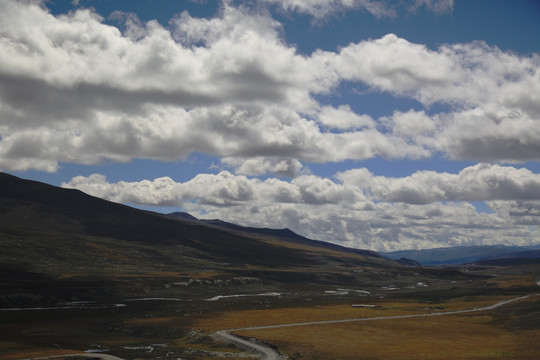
(267, 353)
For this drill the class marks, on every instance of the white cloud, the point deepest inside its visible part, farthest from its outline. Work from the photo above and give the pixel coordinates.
(343, 118)
(219, 189)
(161, 191)
(482, 182)
(490, 132)
(466, 74)
(410, 124)
(80, 91)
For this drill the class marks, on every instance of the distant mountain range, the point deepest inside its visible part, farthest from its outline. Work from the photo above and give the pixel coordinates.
(480, 255)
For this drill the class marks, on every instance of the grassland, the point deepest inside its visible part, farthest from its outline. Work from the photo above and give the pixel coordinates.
(183, 328)
(451, 337)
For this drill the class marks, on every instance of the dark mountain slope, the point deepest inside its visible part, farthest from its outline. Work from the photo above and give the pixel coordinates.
(287, 234)
(32, 206)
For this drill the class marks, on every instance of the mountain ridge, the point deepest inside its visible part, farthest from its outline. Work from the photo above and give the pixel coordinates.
(465, 254)
(281, 233)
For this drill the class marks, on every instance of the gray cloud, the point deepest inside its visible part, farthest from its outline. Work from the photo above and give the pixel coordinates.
(261, 165)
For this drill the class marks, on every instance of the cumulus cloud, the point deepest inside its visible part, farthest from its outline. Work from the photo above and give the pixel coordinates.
(491, 132)
(220, 189)
(525, 213)
(161, 191)
(83, 92)
(260, 166)
(343, 118)
(482, 182)
(462, 74)
(414, 124)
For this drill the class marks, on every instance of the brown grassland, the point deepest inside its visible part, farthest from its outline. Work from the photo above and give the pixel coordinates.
(390, 307)
(448, 337)
(503, 333)
(478, 335)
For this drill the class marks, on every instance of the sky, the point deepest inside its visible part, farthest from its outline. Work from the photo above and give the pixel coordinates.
(374, 124)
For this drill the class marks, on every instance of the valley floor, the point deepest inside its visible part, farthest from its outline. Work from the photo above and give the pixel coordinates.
(477, 317)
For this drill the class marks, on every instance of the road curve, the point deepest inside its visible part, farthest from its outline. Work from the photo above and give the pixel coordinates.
(264, 352)
(267, 353)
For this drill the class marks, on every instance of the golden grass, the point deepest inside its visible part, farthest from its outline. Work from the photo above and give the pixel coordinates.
(463, 336)
(447, 337)
(247, 318)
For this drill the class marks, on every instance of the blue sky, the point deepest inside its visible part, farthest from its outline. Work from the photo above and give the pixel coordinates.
(374, 124)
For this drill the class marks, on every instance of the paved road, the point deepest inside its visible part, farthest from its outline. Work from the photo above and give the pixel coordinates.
(267, 353)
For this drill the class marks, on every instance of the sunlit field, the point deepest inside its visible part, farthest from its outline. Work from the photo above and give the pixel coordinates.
(501, 333)
(448, 337)
(463, 336)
